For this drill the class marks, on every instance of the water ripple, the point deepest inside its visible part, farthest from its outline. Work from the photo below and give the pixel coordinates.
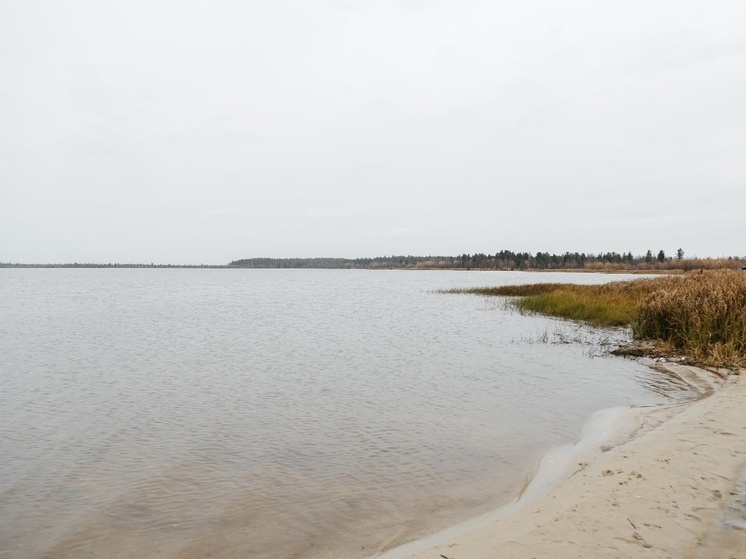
(272, 413)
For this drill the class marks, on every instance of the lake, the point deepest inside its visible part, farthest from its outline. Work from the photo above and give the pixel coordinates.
(185, 413)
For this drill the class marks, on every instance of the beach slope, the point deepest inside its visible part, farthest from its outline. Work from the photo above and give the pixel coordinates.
(674, 490)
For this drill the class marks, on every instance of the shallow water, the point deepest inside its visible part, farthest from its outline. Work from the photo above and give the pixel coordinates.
(278, 413)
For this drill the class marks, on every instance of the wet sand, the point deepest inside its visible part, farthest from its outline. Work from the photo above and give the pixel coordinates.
(668, 483)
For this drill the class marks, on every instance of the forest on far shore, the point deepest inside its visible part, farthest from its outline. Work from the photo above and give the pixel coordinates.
(508, 260)
(503, 260)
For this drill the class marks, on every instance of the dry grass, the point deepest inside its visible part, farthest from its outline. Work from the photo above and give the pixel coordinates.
(700, 314)
(610, 304)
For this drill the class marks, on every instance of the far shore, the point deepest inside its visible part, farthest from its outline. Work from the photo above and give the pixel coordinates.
(670, 482)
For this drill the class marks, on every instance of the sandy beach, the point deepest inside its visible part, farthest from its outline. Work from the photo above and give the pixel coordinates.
(669, 484)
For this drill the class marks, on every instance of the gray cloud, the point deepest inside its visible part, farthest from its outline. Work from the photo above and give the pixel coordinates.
(191, 132)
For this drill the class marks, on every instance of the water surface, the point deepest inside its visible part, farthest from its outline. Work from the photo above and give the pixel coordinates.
(278, 413)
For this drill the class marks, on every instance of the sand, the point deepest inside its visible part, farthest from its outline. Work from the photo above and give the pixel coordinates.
(670, 487)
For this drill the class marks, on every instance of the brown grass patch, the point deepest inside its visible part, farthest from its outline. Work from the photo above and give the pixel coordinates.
(700, 314)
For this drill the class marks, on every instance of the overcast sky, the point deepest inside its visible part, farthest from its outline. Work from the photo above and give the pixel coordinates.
(203, 132)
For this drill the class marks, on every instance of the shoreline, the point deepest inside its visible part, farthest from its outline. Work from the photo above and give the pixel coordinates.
(659, 481)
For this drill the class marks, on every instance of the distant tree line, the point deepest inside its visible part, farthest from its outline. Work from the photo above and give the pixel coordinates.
(504, 260)
(108, 265)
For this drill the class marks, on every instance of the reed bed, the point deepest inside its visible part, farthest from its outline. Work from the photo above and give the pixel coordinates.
(701, 315)
(611, 304)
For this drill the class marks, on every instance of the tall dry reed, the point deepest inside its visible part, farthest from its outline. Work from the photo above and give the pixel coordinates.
(700, 314)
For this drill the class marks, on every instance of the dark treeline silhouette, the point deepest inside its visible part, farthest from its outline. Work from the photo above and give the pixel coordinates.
(504, 260)
(109, 265)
